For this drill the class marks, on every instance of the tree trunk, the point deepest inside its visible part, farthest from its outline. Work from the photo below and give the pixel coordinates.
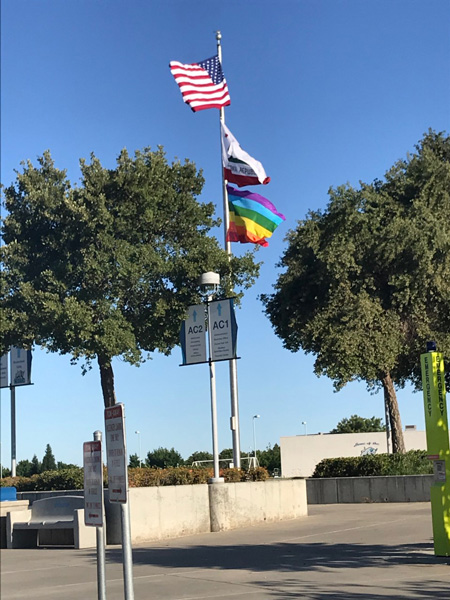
(390, 398)
(107, 381)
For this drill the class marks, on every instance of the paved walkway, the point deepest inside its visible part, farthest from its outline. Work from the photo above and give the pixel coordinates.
(339, 552)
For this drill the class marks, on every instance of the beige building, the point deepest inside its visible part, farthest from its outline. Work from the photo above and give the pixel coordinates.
(301, 453)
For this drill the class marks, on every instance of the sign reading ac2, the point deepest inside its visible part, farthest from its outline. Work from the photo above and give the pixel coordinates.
(222, 331)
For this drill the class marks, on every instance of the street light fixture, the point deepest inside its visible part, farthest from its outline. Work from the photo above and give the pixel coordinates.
(139, 439)
(306, 428)
(254, 435)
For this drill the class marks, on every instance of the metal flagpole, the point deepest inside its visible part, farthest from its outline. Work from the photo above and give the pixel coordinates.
(234, 421)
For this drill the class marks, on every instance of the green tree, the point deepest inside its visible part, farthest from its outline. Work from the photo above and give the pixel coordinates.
(24, 468)
(6, 472)
(270, 458)
(62, 466)
(134, 461)
(356, 424)
(163, 458)
(366, 281)
(48, 461)
(199, 455)
(36, 466)
(108, 268)
(226, 454)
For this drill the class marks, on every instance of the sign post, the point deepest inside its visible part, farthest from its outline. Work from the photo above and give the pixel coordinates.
(93, 503)
(118, 485)
(222, 335)
(192, 336)
(20, 371)
(222, 329)
(436, 421)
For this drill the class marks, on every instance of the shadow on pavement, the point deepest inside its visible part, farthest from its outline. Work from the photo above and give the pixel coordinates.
(423, 590)
(284, 557)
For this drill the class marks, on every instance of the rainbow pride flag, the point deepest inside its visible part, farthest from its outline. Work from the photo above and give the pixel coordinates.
(253, 218)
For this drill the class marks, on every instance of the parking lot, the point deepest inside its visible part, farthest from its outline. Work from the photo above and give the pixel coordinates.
(343, 552)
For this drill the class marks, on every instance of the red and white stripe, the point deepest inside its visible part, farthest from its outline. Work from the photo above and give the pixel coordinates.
(197, 87)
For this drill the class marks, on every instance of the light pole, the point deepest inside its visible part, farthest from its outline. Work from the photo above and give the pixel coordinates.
(138, 433)
(254, 435)
(209, 282)
(306, 427)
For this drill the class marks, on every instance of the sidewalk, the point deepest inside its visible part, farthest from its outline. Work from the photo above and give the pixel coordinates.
(339, 552)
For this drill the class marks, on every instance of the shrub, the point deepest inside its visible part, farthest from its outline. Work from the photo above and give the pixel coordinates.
(66, 479)
(414, 462)
(72, 479)
(22, 484)
(232, 475)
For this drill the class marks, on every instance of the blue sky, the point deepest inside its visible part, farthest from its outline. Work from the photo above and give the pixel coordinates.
(323, 92)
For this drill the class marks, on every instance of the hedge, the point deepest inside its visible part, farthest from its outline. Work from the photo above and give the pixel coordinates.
(414, 462)
(72, 479)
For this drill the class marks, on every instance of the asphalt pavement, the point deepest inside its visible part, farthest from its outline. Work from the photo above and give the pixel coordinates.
(339, 552)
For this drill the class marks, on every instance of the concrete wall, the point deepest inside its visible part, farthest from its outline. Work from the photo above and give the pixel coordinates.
(172, 511)
(301, 453)
(236, 505)
(7, 506)
(392, 488)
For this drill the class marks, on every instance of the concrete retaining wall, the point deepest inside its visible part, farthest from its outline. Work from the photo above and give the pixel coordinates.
(392, 488)
(234, 505)
(158, 513)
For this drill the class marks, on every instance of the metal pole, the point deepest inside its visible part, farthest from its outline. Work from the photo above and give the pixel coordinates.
(126, 551)
(234, 421)
(254, 438)
(386, 413)
(212, 380)
(100, 536)
(140, 453)
(13, 430)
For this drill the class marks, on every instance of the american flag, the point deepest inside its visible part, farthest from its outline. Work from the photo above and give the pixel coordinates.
(202, 84)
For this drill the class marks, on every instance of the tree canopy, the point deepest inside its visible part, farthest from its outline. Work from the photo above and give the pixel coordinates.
(270, 458)
(108, 268)
(357, 424)
(163, 458)
(366, 282)
(48, 461)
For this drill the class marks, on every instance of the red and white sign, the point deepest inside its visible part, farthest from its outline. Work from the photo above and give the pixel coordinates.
(93, 483)
(116, 453)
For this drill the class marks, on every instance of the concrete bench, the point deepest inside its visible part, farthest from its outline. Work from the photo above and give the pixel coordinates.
(56, 521)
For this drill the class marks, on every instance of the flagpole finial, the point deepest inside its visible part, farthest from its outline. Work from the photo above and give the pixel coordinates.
(218, 36)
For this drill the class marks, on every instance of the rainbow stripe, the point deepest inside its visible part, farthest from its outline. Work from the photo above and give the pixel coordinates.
(252, 217)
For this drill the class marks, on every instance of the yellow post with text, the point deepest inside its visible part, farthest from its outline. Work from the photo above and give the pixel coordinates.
(436, 421)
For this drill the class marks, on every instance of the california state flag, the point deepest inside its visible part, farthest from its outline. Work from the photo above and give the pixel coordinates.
(239, 167)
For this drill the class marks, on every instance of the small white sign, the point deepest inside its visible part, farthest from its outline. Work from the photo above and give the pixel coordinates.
(4, 374)
(439, 471)
(20, 366)
(116, 453)
(193, 336)
(222, 329)
(93, 483)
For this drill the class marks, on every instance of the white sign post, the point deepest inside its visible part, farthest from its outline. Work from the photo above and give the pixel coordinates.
(20, 363)
(192, 336)
(93, 484)
(20, 366)
(93, 503)
(118, 485)
(222, 329)
(116, 453)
